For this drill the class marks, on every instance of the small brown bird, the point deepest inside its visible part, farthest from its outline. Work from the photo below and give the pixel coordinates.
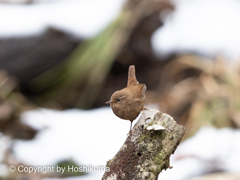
(128, 102)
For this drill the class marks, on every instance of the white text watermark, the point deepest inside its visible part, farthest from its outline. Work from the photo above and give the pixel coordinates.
(58, 169)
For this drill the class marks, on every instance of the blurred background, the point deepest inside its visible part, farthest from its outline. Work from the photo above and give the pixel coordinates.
(61, 60)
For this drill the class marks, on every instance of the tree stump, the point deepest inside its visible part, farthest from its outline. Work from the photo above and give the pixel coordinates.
(147, 149)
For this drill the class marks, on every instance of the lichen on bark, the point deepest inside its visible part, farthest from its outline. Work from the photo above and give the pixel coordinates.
(146, 153)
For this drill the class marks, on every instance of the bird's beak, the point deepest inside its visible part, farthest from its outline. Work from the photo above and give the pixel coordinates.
(108, 102)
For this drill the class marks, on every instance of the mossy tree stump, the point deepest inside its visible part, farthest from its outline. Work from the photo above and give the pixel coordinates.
(147, 149)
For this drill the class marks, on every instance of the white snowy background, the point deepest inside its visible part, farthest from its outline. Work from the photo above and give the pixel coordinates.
(93, 137)
(207, 27)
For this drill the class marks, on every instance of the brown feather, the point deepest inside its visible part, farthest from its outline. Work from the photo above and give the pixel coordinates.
(132, 80)
(128, 102)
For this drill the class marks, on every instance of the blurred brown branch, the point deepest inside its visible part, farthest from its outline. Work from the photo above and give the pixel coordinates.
(86, 68)
(12, 104)
(199, 92)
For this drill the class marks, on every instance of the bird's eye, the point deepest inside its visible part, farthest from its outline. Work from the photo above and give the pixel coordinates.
(118, 99)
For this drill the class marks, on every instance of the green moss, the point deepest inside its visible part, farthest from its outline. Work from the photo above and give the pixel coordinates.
(158, 158)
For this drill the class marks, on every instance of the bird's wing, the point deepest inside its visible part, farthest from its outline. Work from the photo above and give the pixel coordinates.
(132, 81)
(142, 91)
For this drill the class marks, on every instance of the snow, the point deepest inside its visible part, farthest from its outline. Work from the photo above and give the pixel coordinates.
(5, 143)
(83, 18)
(208, 27)
(90, 176)
(89, 137)
(93, 137)
(210, 149)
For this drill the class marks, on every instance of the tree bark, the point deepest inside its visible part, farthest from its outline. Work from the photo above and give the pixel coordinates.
(147, 149)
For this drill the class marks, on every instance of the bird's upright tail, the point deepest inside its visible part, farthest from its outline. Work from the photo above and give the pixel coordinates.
(132, 80)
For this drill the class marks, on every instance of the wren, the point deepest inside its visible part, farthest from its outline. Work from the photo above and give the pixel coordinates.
(128, 102)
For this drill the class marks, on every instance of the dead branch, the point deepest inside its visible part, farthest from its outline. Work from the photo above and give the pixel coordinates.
(147, 149)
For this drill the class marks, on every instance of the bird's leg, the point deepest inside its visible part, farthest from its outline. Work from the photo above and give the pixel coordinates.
(130, 129)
